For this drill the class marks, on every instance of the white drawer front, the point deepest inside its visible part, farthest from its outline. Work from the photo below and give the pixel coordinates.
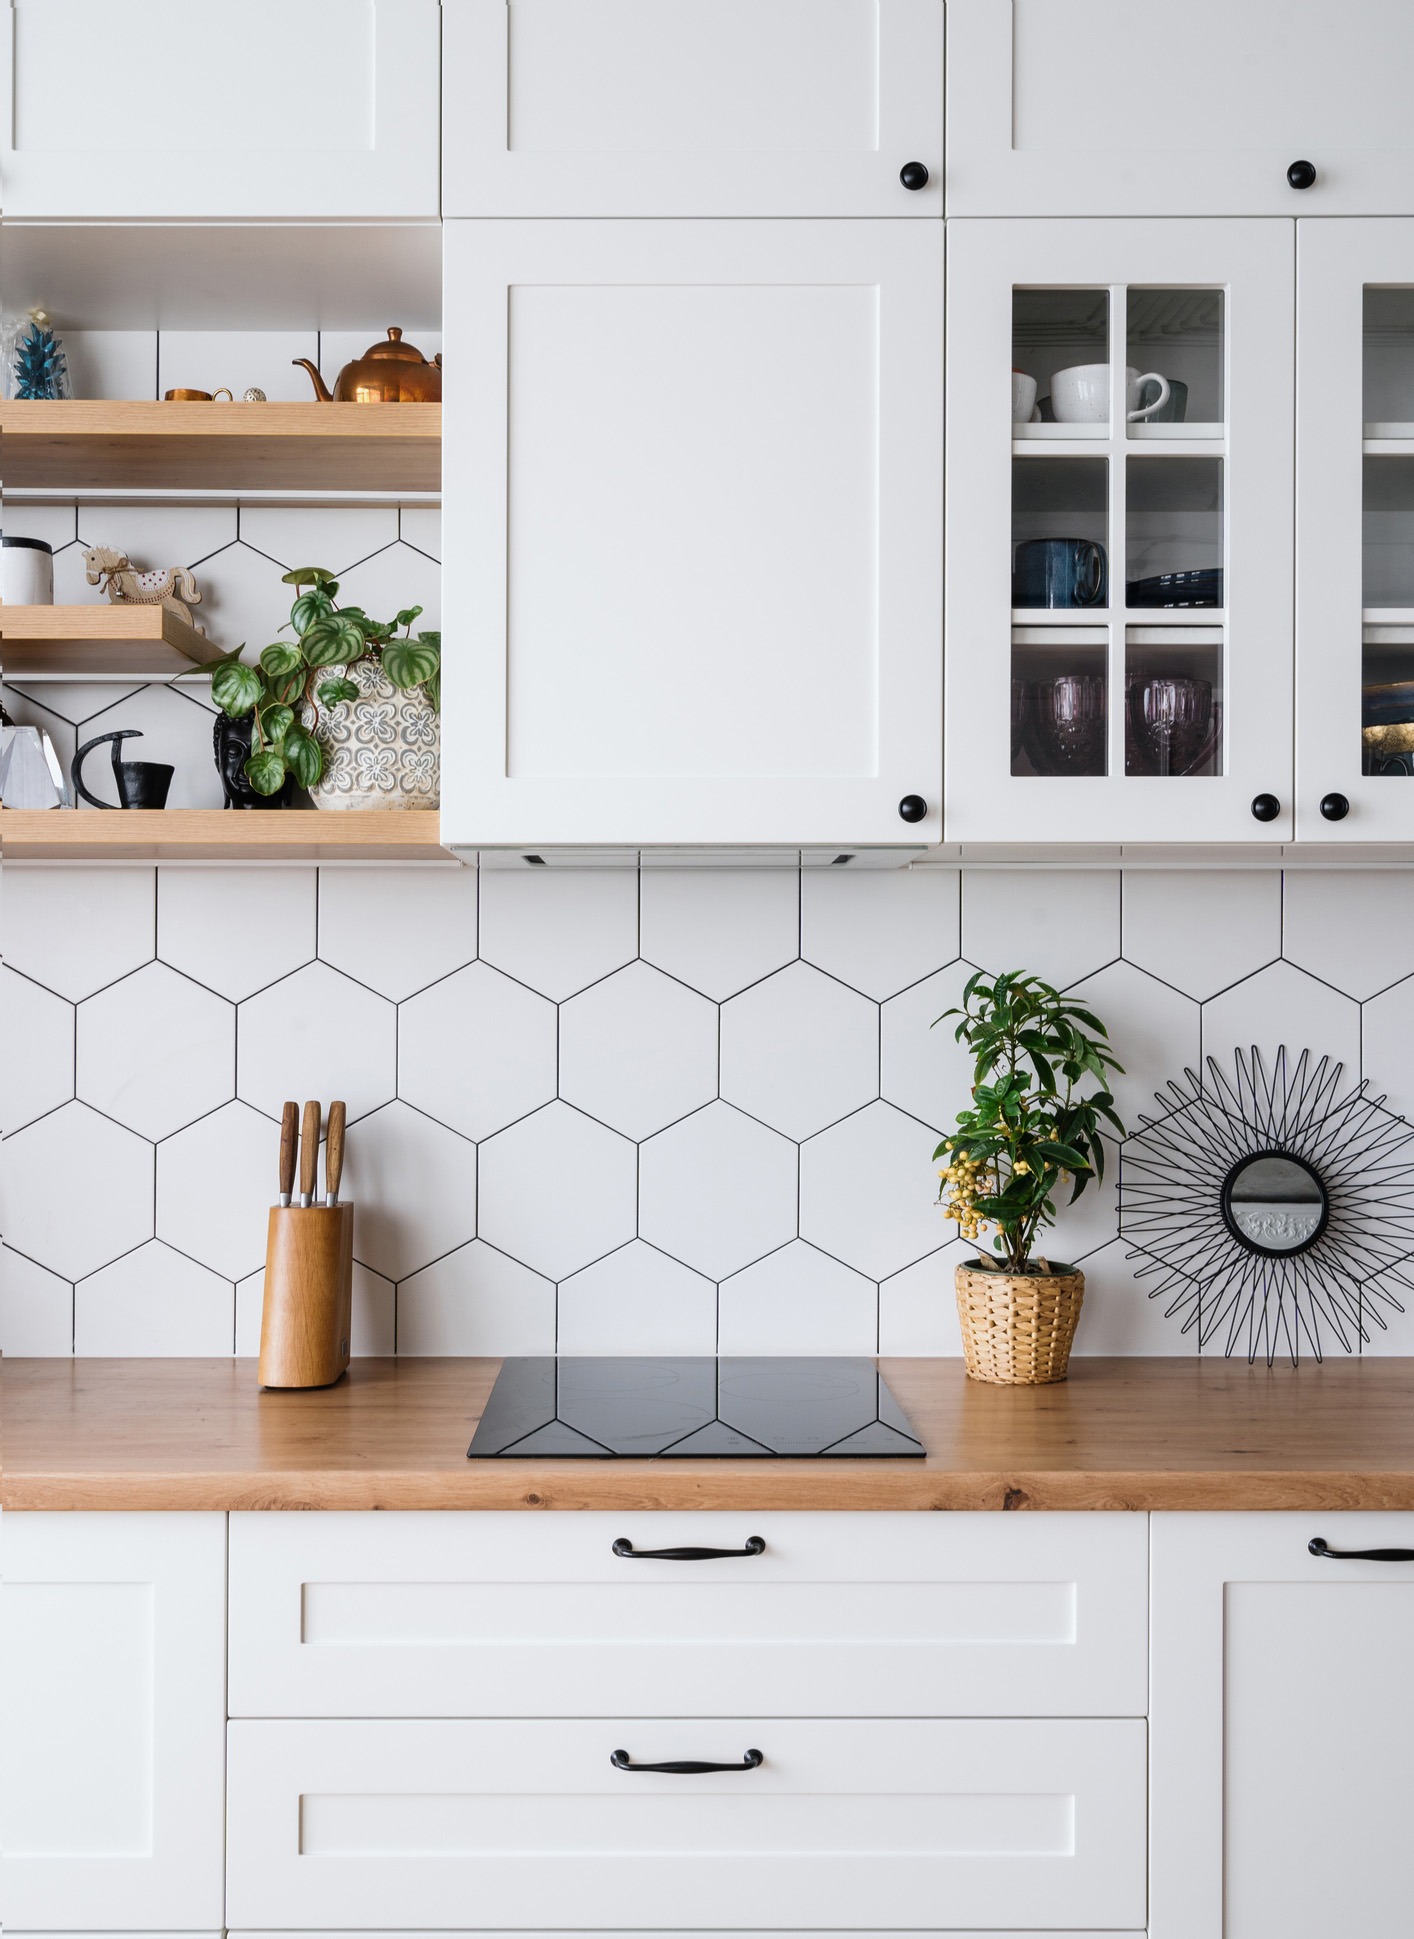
(534, 1615)
(844, 1824)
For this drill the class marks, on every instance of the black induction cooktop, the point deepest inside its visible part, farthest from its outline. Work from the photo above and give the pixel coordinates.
(617, 1408)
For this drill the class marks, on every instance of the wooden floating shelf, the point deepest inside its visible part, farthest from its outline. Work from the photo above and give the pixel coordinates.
(137, 642)
(80, 445)
(215, 834)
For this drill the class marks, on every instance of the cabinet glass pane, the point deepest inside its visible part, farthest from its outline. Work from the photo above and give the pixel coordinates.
(1176, 334)
(1174, 532)
(1389, 362)
(1058, 521)
(1173, 701)
(1387, 669)
(1061, 330)
(1059, 700)
(1387, 591)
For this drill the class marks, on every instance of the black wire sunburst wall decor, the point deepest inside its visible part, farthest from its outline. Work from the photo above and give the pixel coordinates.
(1275, 1211)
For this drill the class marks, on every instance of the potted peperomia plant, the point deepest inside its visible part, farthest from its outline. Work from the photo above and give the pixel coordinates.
(1040, 1090)
(347, 707)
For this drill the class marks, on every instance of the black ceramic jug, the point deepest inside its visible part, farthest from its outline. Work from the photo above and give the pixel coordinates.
(140, 784)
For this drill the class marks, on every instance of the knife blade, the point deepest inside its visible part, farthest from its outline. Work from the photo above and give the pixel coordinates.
(309, 1154)
(334, 1151)
(289, 1142)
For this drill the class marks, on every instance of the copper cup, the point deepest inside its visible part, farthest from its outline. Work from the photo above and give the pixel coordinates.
(196, 396)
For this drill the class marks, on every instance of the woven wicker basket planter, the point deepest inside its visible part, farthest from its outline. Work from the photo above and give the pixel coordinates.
(1017, 1327)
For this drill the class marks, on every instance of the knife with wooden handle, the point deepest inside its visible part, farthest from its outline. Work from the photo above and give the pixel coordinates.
(309, 1154)
(334, 1152)
(289, 1144)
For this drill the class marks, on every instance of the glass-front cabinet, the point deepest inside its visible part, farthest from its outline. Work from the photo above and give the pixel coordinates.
(1119, 552)
(1355, 531)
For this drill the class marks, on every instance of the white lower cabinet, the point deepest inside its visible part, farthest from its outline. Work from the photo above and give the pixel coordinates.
(841, 1823)
(1282, 1717)
(112, 1641)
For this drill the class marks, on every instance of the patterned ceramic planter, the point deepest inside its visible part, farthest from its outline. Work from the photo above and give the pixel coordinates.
(382, 750)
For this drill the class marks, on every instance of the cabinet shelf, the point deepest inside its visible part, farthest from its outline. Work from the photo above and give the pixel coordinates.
(77, 445)
(215, 834)
(1094, 440)
(1101, 616)
(119, 642)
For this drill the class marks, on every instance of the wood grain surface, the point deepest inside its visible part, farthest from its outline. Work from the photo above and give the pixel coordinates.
(210, 834)
(1137, 1434)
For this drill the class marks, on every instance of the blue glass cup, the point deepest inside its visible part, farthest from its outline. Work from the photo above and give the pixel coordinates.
(1059, 572)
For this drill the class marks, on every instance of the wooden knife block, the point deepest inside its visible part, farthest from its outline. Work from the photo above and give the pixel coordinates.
(304, 1325)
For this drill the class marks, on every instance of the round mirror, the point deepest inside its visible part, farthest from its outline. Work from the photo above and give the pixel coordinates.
(1274, 1203)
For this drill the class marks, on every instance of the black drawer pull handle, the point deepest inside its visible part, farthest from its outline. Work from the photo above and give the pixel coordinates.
(755, 1545)
(1318, 1546)
(687, 1766)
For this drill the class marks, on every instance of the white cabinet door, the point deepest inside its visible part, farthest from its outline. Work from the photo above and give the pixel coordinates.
(693, 516)
(701, 107)
(1281, 1718)
(535, 1615)
(1144, 107)
(1119, 587)
(231, 108)
(112, 1716)
(854, 1824)
(1355, 531)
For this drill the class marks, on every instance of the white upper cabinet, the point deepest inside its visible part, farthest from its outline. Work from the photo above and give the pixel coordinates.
(1282, 1708)
(693, 516)
(113, 1718)
(1355, 531)
(692, 107)
(1145, 107)
(254, 109)
(1119, 531)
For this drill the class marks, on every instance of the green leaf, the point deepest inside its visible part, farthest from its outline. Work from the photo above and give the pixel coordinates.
(281, 658)
(408, 663)
(266, 772)
(334, 640)
(303, 756)
(331, 692)
(1059, 1154)
(288, 688)
(310, 576)
(433, 689)
(408, 615)
(309, 607)
(275, 723)
(236, 688)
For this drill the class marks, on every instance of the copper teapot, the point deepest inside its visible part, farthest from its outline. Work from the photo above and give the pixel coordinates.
(387, 373)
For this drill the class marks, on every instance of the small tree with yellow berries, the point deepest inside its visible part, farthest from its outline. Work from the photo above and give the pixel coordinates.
(1040, 1089)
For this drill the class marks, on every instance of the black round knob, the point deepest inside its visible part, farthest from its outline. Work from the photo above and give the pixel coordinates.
(912, 808)
(1334, 807)
(1265, 807)
(913, 175)
(1301, 175)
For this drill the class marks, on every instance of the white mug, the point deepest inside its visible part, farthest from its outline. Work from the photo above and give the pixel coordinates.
(1023, 397)
(1081, 395)
(26, 572)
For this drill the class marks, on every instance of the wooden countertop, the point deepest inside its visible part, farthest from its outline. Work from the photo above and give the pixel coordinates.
(1137, 1434)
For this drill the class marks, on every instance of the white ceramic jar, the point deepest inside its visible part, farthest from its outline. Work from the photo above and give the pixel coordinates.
(26, 572)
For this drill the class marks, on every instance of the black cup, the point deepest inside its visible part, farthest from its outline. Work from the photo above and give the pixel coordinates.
(1059, 572)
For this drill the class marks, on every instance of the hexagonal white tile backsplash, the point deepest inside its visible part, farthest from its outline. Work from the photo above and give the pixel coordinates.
(607, 1112)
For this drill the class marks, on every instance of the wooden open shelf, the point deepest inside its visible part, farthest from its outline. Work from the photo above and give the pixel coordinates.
(137, 642)
(81, 445)
(214, 834)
